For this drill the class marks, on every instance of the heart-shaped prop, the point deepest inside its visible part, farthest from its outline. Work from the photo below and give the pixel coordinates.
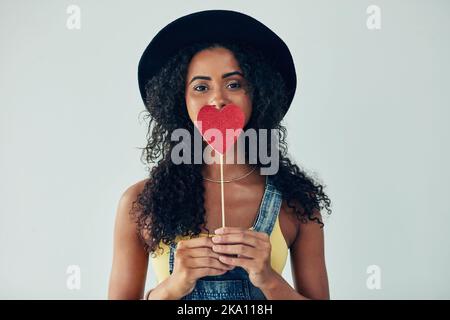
(220, 128)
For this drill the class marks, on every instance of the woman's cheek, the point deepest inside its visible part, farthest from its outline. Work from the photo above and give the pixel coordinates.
(191, 112)
(193, 107)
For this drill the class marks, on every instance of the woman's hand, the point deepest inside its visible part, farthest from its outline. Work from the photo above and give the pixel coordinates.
(194, 259)
(253, 250)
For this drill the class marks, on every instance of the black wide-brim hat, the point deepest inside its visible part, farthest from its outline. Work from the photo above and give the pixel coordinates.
(214, 26)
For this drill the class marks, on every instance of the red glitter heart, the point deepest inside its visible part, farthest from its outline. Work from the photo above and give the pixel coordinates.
(229, 117)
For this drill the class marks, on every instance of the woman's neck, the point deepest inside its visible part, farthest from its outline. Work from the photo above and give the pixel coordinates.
(231, 168)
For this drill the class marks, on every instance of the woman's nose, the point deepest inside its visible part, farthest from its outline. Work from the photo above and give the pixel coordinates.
(220, 101)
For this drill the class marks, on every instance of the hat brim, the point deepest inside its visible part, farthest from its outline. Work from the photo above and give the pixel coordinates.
(216, 25)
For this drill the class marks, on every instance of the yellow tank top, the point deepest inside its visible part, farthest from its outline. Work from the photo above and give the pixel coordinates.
(279, 253)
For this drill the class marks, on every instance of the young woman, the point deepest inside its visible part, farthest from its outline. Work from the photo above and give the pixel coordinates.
(218, 58)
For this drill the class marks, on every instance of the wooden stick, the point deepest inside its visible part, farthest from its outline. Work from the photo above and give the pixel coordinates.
(221, 190)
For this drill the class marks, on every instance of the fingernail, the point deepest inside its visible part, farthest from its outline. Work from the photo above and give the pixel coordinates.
(218, 231)
(216, 239)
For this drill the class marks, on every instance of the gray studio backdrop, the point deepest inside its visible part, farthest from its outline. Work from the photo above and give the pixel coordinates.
(369, 120)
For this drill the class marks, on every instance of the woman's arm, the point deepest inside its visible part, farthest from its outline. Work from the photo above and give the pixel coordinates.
(130, 260)
(308, 261)
(308, 267)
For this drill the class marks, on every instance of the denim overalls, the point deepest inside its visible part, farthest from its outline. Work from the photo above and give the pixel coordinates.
(235, 284)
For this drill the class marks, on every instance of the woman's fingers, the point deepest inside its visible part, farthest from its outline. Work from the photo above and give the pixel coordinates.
(195, 242)
(234, 238)
(245, 263)
(230, 230)
(208, 263)
(202, 252)
(240, 243)
(239, 250)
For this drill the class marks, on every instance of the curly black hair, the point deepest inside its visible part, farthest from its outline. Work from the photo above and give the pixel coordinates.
(169, 205)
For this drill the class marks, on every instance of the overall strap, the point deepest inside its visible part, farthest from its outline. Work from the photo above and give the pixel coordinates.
(172, 249)
(269, 208)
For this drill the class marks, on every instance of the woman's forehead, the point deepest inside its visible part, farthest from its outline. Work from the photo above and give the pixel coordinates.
(213, 60)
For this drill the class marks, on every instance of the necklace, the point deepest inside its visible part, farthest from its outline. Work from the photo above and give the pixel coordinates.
(234, 179)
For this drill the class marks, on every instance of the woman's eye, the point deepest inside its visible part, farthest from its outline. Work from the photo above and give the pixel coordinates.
(199, 86)
(235, 85)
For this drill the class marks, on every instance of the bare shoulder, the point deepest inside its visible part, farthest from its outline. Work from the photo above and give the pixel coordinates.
(289, 223)
(125, 219)
(132, 192)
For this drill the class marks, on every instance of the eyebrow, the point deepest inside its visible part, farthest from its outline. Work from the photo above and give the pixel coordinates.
(225, 75)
